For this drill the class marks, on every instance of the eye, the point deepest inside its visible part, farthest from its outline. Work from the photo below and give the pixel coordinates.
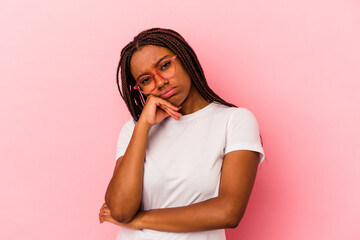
(145, 80)
(165, 65)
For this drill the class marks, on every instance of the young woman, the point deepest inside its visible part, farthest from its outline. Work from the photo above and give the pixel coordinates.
(187, 160)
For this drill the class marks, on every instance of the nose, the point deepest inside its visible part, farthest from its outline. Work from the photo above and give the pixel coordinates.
(160, 82)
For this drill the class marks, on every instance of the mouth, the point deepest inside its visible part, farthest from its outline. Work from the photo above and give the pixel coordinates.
(168, 92)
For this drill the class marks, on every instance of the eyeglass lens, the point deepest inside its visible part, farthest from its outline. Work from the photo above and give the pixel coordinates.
(165, 69)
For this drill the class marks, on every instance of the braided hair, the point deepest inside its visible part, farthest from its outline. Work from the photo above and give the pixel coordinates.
(173, 41)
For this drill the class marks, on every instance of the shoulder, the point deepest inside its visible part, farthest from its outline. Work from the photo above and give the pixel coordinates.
(130, 123)
(236, 118)
(233, 113)
(243, 117)
(128, 127)
(242, 113)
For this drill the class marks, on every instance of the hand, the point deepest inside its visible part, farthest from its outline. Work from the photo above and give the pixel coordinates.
(105, 216)
(157, 109)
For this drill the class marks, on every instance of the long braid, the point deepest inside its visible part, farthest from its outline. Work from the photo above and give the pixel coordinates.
(177, 44)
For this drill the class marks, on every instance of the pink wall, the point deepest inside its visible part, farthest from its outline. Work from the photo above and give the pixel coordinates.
(294, 64)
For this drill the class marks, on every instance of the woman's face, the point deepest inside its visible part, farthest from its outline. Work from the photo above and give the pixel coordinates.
(174, 89)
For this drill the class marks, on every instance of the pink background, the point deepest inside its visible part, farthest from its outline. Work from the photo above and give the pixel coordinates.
(294, 64)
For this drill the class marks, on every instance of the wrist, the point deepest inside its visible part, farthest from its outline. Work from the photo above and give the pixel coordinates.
(138, 220)
(143, 125)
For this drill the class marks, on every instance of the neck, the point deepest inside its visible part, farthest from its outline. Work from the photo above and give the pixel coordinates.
(193, 102)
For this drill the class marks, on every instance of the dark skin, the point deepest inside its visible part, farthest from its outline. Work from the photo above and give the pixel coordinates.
(238, 171)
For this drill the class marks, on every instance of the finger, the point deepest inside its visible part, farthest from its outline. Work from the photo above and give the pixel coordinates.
(171, 110)
(104, 217)
(104, 205)
(167, 111)
(168, 104)
(106, 210)
(174, 108)
(173, 114)
(101, 218)
(109, 219)
(102, 209)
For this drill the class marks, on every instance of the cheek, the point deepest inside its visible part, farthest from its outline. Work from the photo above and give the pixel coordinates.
(184, 78)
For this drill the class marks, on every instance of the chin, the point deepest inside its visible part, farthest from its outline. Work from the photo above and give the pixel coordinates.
(175, 101)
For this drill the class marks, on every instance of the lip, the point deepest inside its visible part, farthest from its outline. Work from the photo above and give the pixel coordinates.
(167, 93)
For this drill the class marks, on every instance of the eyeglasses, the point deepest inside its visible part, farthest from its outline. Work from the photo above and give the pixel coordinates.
(166, 69)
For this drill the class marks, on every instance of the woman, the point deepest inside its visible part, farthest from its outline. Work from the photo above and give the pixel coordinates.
(187, 161)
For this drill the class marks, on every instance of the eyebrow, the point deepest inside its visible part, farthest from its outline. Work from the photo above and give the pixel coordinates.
(156, 64)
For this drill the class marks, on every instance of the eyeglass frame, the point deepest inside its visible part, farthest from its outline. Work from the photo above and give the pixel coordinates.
(136, 87)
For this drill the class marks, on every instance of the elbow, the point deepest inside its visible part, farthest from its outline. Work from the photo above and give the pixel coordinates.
(233, 219)
(122, 215)
(233, 211)
(122, 218)
(233, 223)
(120, 211)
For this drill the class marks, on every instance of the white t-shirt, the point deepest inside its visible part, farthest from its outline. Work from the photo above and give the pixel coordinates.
(184, 159)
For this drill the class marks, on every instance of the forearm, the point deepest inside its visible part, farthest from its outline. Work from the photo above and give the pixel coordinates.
(123, 195)
(208, 215)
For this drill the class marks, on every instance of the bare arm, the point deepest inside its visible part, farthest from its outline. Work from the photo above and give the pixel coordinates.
(123, 195)
(225, 211)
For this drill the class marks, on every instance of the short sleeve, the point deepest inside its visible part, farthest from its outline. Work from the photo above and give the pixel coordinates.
(124, 138)
(243, 133)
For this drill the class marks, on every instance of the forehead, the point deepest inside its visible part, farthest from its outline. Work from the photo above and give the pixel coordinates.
(145, 58)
